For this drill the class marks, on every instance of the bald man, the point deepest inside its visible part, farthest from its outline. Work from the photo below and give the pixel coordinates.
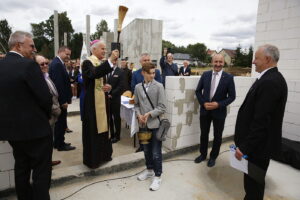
(215, 91)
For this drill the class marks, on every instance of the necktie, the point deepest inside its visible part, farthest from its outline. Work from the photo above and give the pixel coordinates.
(213, 85)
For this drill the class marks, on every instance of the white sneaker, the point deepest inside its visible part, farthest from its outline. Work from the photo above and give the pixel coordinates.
(145, 174)
(156, 182)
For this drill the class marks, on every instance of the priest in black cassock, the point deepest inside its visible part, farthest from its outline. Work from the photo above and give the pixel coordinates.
(97, 147)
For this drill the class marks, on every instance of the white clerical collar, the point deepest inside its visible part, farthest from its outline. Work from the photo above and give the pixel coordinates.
(263, 72)
(16, 53)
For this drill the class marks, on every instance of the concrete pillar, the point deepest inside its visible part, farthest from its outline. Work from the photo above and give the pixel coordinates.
(88, 30)
(65, 39)
(56, 36)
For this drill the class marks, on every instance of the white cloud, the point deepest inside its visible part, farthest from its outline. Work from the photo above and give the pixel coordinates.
(216, 23)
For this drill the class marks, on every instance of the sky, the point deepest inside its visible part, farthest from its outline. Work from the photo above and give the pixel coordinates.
(216, 23)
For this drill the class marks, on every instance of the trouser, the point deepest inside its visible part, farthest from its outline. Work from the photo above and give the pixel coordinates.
(153, 155)
(36, 156)
(255, 190)
(59, 130)
(115, 120)
(218, 124)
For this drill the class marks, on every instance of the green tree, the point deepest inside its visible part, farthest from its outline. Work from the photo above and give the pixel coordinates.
(250, 56)
(76, 45)
(198, 51)
(169, 45)
(243, 59)
(5, 31)
(43, 33)
(100, 28)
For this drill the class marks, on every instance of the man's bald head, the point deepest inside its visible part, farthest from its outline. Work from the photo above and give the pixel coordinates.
(218, 62)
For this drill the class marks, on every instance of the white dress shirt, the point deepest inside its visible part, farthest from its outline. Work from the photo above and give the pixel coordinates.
(218, 78)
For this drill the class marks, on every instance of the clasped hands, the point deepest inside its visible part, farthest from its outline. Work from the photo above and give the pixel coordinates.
(211, 105)
(143, 118)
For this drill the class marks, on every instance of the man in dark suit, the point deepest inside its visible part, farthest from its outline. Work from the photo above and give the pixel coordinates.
(185, 70)
(168, 68)
(215, 91)
(258, 127)
(25, 108)
(116, 80)
(60, 77)
(127, 75)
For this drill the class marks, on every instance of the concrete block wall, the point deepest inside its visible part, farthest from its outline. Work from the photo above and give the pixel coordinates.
(183, 110)
(278, 23)
(291, 123)
(6, 166)
(141, 36)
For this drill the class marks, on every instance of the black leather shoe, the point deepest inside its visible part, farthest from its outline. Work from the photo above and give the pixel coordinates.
(66, 148)
(199, 159)
(211, 162)
(68, 144)
(115, 140)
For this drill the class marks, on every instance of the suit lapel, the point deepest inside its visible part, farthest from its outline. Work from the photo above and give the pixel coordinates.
(221, 82)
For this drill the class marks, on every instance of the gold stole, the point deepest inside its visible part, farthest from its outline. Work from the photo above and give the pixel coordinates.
(100, 104)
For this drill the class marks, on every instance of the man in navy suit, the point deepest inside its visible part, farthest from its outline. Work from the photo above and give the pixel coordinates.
(185, 70)
(137, 76)
(214, 92)
(60, 77)
(258, 126)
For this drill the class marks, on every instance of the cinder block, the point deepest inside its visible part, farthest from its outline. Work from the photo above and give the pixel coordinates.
(7, 161)
(291, 136)
(293, 107)
(297, 86)
(293, 3)
(294, 12)
(261, 27)
(291, 23)
(292, 86)
(292, 33)
(291, 128)
(292, 118)
(274, 25)
(191, 82)
(188, 140)
(172, 82)
(5, 147)
(12, 178)
(277, 6)
(228, 131)
(4, 180)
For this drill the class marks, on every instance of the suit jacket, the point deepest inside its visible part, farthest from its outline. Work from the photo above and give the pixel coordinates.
(188, 70)
(60, 77)
(167, 69)
(116, 80)
(224, 95)
(55, 111)
(137, 78)
(259, 121)
(127, 76)
(25, 103)
(142, 105)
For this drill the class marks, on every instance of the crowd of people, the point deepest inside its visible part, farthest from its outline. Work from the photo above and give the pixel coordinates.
(35, 95)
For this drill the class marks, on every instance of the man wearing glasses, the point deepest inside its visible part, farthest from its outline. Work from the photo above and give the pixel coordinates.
(25, 108)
